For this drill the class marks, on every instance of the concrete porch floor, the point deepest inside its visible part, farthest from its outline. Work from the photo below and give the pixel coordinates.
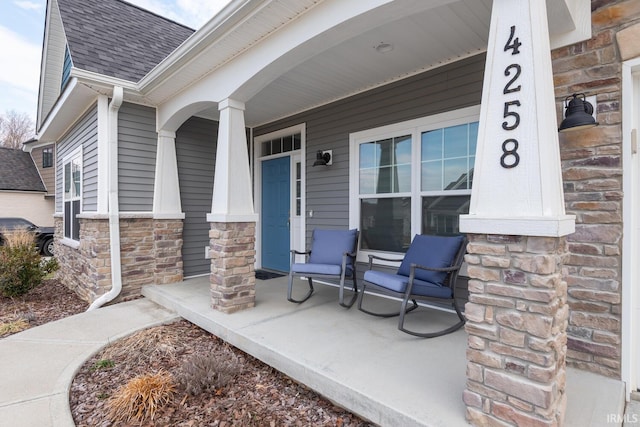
(364, 363)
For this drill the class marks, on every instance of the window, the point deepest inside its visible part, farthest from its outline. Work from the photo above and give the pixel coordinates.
(47, 157)
(412, 177)
(72, 195)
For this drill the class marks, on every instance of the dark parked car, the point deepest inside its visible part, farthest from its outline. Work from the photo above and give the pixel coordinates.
(43, 235)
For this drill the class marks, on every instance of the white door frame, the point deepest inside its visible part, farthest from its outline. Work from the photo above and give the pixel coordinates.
(631, 225)
(298, 226)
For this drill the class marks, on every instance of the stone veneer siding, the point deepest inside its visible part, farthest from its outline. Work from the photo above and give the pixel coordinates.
(592, 172)
(516, 321)
(232, 250)
(151, 253)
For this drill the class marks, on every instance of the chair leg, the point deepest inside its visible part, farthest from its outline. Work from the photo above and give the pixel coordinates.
(433, 334)
(402, 311)
(353, 298)
(290, 291)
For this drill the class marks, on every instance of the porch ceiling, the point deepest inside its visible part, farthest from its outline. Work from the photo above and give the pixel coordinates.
(344, 61)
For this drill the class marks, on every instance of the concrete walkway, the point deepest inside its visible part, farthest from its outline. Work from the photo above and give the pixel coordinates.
(37, 366)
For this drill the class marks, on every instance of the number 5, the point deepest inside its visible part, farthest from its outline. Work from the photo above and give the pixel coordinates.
(507, 113)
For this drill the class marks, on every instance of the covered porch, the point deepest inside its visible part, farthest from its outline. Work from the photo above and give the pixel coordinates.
(362, 363)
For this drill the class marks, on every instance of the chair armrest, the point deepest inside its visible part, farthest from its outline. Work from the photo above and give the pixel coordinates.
(424, 267)
(295, 252)
(372, 257)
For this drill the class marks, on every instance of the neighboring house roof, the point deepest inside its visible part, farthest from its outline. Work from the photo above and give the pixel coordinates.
(117, 39)
(17, 171)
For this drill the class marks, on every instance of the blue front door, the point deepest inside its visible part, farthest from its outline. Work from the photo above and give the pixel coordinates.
(276, 187)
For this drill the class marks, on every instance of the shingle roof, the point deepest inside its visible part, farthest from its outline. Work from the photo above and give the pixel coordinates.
(18, 172)
(117, 39)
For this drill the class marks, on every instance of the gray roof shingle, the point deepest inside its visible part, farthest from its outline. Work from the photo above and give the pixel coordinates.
(18, 172)
(117, 39)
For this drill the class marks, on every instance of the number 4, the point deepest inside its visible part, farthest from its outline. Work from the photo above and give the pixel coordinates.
(512, 43)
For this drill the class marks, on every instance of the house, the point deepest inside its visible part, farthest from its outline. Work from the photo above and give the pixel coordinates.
(22, 192)
(182, 153)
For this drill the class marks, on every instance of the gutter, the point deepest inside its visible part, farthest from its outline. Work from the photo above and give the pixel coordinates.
(114, 207)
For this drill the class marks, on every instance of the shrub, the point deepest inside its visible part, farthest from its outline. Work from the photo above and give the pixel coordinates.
(207, 373)
(21, 267)
(139, 399)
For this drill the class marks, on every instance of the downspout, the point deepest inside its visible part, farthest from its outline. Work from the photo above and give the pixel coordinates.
(114, 208)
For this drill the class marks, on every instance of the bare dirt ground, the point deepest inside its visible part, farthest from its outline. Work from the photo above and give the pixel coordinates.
(256, 395)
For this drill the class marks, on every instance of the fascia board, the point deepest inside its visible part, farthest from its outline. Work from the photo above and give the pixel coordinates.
(74, 101)
(236, 11)
(578, 22)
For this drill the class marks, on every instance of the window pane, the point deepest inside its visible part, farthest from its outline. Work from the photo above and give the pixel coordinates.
(473, 138)
(368, 179)
(455, 174)
(75, 228)
(385, 152)
(287, 144)
(432, 176)
(403, 150)
(276, 146)
(386, 223)
(432, 145)
(75, 170)
(266, 148)
(368, 155)
(67, 219)
(296, 141)
(67, 181)
(440, 214)
(455, 141)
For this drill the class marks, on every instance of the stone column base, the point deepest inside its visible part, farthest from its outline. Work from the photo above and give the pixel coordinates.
(516, 320)
(233, 281)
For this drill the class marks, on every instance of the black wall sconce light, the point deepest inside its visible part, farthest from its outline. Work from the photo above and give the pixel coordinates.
(323, 158)
(578, 114)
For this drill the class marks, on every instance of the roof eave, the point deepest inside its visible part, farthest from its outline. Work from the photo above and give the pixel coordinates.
(233, 13)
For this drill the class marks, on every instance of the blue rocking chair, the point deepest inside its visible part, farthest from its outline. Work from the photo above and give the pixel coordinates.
(332, 256)
(428, 272)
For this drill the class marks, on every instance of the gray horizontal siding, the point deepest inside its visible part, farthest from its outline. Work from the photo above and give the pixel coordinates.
(83, 134)
(196, 153)
(447, 88)
(137, 146)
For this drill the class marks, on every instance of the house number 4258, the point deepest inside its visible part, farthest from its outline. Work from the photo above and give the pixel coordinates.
(510, 157)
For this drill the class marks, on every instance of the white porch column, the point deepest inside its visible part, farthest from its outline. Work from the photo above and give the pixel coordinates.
(517, 311)
(166, 190)
(232, 218)
(232, 199)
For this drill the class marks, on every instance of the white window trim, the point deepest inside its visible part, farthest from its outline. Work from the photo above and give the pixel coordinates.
(77, 153)
(415, 128)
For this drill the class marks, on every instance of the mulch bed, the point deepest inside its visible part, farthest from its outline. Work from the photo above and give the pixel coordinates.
(258, 395)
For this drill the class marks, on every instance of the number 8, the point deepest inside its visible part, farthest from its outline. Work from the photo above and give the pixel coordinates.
(506, 153)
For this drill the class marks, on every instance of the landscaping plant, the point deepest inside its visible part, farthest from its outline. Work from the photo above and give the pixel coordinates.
(140, 398)
(207, 373)
(21, 267)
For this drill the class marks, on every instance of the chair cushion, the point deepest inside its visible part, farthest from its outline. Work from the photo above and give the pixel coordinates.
(329, 269)
(329, 245)
(397, 283)
(430, 251)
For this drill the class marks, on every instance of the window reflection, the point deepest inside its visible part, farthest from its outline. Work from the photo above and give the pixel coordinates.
(385, 166)
(385, 223)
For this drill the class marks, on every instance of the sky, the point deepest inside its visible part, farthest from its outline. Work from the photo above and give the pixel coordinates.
(22, 31)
